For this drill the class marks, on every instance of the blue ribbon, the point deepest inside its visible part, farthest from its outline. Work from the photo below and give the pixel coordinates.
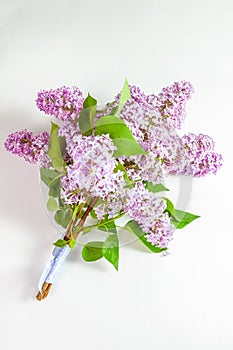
(53, 266)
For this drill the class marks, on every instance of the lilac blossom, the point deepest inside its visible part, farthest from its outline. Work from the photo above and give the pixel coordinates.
(64, 103)
(112, 207)
(70, 192)
(155, 135)
(164, 143)
(148, 210)
(135, 116)
(201, 158)
(171, 102)
(162, 232)
(136, 95)
(70, 130)
(93, 167)
(143, 167)
(152, 120)
(33, 148)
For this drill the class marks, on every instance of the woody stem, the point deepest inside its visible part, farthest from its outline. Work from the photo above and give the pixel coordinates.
(47, 286)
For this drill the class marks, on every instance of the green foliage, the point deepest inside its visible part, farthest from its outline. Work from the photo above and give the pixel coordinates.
(52, 204)
(55, 152)
(113, 126)
(125, 95)
(89, 102)
(120, 134)
(132, 226)
(63, 217)
(61, 243)
(76, 210)
(155, 188)
(181, 218)
(93, 214)
(108, 227)
(87, 115)
(61, 203)
(48, 175)
(72, 243)
(55, 188)
(52, 180)
(92, 251)
(111, 250)
(127, 147)
(170, 206)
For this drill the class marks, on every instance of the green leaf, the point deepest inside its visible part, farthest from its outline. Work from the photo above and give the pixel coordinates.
(61, 243)
(52, 204)
(89, 102)
(61, 203)
(63, 217)
(113, 126)
(92, 251)
(54, 151)
(72, 243)
(127, 147)
(114, 110)
(76, 210)
(133, 227)
(48, 175)
(62, 142)
(125, 95)
(129, 183)
(108, 227)
(181, 218)
(87, 115)
(111, 250)
(120, 134)
(155, 188)
(55, 188)
(170, 206)
(93, 214)
(86, 120)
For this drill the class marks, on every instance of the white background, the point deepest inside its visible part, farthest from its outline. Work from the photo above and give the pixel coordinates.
(179, 302)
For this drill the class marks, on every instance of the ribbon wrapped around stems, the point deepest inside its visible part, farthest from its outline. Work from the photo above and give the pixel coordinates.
(51, 270)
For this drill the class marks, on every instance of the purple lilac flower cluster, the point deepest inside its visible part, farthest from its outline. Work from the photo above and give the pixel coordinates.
(64, 103)
(171, 102)
(92, 170)
(153, 120)
(202, 159)
(91, 166)
(148, 210)
(33, 148)
(163, 231)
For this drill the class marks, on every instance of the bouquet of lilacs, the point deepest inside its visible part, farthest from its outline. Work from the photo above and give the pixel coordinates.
(103, 163)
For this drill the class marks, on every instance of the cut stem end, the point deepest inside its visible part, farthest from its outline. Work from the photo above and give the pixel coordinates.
(45, 291)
